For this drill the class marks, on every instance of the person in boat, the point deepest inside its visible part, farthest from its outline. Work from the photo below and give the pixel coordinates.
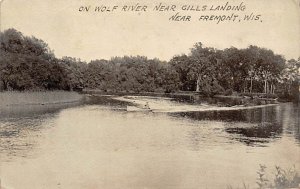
(147, 106)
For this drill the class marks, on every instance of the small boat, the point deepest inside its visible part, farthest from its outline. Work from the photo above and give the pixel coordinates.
(137, 109)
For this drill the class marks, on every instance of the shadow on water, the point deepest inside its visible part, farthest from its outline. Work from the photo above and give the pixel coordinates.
(107, 101)
(266, 114)
(259, 133)
(254, 127)
(17, 111)
(21, 126)
(291, 118)
(18, 136)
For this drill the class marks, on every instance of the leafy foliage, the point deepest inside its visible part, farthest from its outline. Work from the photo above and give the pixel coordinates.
(27, 63)
(278, 179)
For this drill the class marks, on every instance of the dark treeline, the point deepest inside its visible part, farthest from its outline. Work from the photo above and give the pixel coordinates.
(27, 63)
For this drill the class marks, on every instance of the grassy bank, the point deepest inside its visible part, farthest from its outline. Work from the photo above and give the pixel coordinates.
(37, 98)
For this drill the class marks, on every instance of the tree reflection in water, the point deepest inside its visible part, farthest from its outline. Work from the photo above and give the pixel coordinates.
(22, 126)
(254, 127)
(19, 136)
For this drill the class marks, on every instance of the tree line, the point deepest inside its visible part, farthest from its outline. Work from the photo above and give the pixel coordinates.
(27, 63)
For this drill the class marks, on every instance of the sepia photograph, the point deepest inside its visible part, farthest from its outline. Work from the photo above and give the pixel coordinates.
(137, 94)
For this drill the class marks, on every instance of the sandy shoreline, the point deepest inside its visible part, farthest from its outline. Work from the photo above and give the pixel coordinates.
(168, 106)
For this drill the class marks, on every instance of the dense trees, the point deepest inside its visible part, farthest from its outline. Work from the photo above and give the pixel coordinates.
(211, 71)
(131, 74)
(27, 63)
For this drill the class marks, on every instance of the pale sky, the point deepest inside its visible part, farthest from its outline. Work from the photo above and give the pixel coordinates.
(92, 35)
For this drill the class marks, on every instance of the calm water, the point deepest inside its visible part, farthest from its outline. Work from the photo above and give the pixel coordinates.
(100, 145)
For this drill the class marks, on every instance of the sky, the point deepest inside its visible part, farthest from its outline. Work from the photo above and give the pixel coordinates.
(96, 35)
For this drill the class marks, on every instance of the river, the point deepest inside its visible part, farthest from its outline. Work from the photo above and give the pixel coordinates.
(99, 144)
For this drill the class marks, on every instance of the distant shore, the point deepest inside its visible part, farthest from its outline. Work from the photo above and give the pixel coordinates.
(186, 93)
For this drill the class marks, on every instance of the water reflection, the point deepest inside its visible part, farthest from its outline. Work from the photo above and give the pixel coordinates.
(291, 119)
(106, 100)
(257, 134)
(17, 111)
(93, 146)
(19, 136)
(267, 114)
(254, 126)
(218, 101)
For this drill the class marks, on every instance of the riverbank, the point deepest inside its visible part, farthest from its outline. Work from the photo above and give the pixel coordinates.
(170, 106)
(14, 98)
(196, 98)
(20, 104)
(259, 96)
